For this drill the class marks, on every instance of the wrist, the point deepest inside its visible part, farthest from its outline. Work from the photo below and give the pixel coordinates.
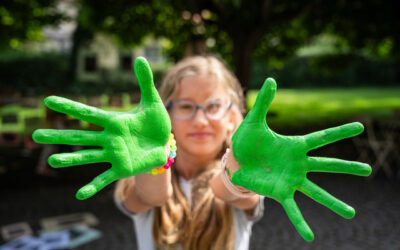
(228, 167)
(170, 149)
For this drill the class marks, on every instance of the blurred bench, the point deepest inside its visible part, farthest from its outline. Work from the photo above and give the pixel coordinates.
(20, 116)
(379, 145)
(18, 120)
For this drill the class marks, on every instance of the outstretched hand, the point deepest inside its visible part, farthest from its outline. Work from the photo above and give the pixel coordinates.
(133, 142)
(276, 166)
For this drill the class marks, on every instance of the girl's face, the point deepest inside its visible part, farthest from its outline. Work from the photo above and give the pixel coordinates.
(201, 136)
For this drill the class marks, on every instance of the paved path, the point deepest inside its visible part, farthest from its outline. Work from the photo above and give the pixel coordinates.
(375, 226)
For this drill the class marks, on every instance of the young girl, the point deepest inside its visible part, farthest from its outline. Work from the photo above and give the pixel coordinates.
(193, 205)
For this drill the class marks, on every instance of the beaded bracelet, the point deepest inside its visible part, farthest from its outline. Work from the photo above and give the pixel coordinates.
(172, 155)
(238, 191)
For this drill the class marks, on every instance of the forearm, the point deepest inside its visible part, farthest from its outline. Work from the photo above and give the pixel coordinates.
(221, 191)
(142, 192)
(145, 191)
(154, 189)
(224, 189)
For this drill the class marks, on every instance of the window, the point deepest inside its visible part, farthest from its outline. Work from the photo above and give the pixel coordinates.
(90, 64)
(126, 62)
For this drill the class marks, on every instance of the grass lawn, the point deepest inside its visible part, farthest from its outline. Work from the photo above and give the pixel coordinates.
(297, 108)
(291, 108)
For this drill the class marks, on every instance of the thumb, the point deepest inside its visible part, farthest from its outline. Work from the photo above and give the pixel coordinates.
(145, 78)
(263, 101)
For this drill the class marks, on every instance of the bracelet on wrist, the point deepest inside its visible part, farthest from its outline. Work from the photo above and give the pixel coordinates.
(171, 157)
(238, 191)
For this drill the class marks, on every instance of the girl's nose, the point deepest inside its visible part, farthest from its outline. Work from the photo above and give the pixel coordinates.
(200, 118)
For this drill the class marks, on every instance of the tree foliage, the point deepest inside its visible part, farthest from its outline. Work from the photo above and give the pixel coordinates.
(230, 28)
(371, 25)
(24, 20)
(240, 31)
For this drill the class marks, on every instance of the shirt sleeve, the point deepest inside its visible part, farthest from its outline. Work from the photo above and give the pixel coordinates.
(120, 205)
(258, 211)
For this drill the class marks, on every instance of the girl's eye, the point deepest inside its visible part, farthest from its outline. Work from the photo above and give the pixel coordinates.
(213, 107)
(185, 107)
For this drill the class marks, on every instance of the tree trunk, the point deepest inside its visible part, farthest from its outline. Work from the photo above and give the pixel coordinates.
(243, 47)
(80, 36)
(196, 46)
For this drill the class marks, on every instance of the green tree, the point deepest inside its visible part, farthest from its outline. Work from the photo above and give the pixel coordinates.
(235, 27)
(24, 20)
(372, 26)
(240, 30)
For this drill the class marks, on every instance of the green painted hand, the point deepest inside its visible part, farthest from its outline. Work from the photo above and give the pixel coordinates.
(133, 142)
(276, 166)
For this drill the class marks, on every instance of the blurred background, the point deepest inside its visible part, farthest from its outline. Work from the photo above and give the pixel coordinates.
(334, 62)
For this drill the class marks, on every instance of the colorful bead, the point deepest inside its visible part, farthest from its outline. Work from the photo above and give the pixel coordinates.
(170, 161)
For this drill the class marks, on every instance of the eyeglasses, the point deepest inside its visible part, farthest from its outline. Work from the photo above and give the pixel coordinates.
(186, 110)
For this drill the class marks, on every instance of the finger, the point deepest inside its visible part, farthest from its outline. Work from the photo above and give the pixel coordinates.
(96, 185)
(76, 109)
(321, 196)
(330, 135)
(295, 216)
(263, 101)
(145, 78)
(332, 165)
(69, 137)
(77, 158)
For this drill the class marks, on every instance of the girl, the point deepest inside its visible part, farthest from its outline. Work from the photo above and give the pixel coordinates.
(193, 205)
(196, 206)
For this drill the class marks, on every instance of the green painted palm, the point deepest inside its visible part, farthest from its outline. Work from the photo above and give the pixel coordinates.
(276, 166)
(133, 142)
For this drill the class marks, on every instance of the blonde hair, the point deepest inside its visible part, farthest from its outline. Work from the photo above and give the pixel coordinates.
(206, 223)
(202, 65)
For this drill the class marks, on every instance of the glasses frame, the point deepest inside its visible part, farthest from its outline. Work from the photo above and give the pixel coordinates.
(171, 104)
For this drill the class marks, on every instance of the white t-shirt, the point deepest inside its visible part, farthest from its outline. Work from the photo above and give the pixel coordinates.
(143, 222)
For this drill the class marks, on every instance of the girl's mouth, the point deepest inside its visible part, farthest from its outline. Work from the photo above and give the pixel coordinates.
(200, 135)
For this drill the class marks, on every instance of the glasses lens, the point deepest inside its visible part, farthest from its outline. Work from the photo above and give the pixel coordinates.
(215, 110)
(183, 109)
